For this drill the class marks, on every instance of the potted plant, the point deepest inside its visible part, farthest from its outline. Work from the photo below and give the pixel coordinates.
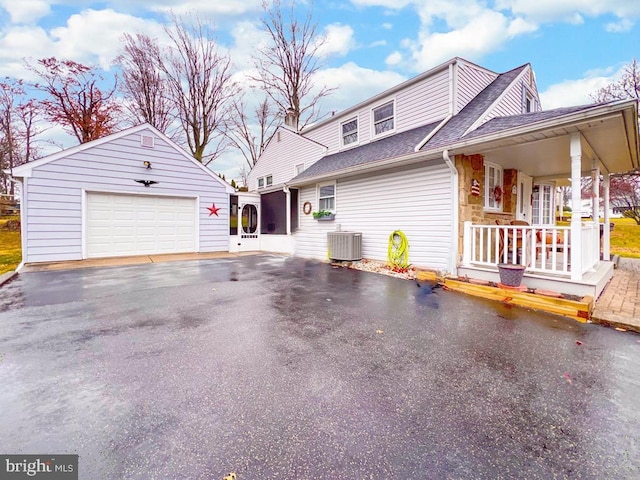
(324, 215)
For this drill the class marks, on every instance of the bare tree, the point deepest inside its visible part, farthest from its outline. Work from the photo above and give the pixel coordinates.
(250, 135)
(143, 84)
(200, 85)
(18, 127)
(627, 86)
(75, 99)
(625, 195)
(288, 63)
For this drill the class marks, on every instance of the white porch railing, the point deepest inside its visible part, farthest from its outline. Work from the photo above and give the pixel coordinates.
(542, 249)
(590, 245)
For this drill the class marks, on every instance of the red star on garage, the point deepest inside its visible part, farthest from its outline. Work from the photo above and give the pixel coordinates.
(213, 210)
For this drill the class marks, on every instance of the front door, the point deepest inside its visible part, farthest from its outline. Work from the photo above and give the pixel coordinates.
(249, 226)
(523, 207)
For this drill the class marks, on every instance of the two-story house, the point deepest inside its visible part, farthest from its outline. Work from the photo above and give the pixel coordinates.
(463, 161)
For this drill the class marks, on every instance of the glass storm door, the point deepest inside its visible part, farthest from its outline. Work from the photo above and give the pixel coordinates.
(249, 227)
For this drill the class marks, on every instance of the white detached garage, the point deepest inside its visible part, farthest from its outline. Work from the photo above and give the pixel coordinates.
(131, 193)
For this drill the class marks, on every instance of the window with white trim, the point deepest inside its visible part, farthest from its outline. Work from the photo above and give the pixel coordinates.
(349, 131)
(493, 188)
(383, 118)
(299, 169)
(261, 182)
(269, 180)
(327, 196)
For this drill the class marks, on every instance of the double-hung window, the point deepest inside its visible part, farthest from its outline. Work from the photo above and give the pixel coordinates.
(269, 180)
(493, 194)
(261, 182)
(327, 197)
(383, 118)
(349, 132)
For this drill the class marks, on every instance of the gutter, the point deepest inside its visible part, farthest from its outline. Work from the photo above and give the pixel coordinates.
(455, 214)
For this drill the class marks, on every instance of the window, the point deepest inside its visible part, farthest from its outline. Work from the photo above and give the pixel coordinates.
(350, 132)
(528, 104)
(261, 182)
(299, 168)
(269, 180)
(383, 118)
(327, 197)
(493, 189)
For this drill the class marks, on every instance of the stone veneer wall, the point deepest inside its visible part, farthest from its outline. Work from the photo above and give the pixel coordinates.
(471, 167)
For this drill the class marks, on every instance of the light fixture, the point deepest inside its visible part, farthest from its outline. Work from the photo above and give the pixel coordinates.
(147, 164)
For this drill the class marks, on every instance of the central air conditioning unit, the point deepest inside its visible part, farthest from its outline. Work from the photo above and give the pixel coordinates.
(345, 246)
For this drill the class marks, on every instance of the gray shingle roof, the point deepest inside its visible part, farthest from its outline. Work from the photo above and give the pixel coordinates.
(388, 147)
(499, 124)
(458, 124)
(404, 143)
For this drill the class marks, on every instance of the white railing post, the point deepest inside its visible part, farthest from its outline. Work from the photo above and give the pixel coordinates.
(466, 244)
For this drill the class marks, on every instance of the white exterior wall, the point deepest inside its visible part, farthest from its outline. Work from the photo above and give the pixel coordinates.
(281, 157)
(421, 103)
(54, 193)
(512, 101)
(470, 80)
(416, 201)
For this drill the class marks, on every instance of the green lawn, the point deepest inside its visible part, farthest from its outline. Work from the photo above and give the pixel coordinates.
(625, 238)
(10, 248)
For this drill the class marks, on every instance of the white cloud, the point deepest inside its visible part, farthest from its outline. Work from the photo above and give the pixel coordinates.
(394, 59)
(569, 10)
(624, 25)
(485, 32)
(93, 36)
(26, 11)
(225, 7)
(338, 40)
(387, 26)
(572, 92)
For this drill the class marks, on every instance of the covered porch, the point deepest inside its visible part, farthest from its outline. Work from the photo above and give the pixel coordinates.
(509, 202)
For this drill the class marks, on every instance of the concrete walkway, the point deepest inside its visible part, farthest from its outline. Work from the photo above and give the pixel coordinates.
(137, 260)
(619, 304)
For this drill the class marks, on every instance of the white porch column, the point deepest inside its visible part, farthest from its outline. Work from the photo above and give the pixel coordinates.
(466, 247)
(576, 209)
(288, 208)
(606, 237)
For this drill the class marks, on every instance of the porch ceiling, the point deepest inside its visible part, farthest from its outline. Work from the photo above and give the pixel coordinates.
(613, 139)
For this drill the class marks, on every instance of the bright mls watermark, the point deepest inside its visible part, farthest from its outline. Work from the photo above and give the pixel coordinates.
(50, 467)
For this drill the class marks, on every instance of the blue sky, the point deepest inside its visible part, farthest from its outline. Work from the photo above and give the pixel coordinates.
(574, 46)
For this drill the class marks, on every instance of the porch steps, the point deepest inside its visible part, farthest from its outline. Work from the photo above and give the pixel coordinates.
(579, 310)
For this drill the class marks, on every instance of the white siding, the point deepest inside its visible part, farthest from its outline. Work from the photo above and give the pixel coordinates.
(421, 103)
(416, 201)
(55, 193)
(281, 156)
(512, 102)
(470, 81)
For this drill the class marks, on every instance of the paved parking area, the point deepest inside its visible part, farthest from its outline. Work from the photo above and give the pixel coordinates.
(277, 368)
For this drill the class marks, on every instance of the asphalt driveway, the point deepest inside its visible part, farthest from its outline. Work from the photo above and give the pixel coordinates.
(291, 369)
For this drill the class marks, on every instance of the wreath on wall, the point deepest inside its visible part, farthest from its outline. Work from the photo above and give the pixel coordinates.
(306, 208)
(497, 194)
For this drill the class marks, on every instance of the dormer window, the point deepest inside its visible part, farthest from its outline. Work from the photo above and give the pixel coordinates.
(383, 118)
(349, 132)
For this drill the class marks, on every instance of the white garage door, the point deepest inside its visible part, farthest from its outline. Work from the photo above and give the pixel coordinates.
(119, 225)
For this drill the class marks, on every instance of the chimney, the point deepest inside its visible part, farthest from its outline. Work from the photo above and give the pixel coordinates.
(291, 119)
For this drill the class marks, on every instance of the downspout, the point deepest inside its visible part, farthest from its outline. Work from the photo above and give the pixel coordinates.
(455, 214)
(23, 222)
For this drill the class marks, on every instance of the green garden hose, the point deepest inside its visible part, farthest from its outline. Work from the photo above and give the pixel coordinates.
(398, 250)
